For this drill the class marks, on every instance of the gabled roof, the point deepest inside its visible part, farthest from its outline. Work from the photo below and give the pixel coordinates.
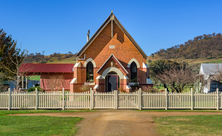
(111, 17)
(116, 60)
(45, 68)
(210, 68)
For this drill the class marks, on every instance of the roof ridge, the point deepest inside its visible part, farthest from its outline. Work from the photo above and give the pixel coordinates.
(100, 30)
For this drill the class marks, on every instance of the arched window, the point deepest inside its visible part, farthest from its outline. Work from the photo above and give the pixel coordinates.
(89, 72)
(133, 72)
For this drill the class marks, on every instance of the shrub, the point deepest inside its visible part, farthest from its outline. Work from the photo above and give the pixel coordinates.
(135, 87)
(85, 88)
(149, 89)
(31, 89)
(121, 90)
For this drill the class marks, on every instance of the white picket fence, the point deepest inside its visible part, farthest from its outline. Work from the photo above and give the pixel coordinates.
(110, 100)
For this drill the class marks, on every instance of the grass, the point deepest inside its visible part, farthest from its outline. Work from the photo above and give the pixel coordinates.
(185, 110)
(37, 125)
(189, 125)
(161, 87)
(217, 61)
(6, 112)
(62, 60)
(35, 77)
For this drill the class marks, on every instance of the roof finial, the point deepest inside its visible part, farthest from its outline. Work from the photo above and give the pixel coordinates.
(88, 35)
(111, 12)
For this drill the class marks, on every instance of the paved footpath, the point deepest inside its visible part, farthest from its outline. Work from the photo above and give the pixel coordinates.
(118, 122)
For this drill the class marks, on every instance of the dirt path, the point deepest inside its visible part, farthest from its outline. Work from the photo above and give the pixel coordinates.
(118, 122)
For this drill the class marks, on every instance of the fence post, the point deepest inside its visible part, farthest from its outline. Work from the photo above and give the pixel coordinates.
(37, 99)
(91, 99)
(218, 99)
(166, 97)
(115, 99)
(9, 99)
(139, 99)
(191, 98)
(63, 97)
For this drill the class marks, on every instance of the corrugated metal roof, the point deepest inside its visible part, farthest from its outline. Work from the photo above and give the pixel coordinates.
(210, 68)
(46, 68)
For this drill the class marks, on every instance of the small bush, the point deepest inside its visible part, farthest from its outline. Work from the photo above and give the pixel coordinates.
(31, 89)
(149, 89)
(85, 88)
(135, 87)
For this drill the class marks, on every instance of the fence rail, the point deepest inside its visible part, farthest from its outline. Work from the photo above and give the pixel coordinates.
(110, 100)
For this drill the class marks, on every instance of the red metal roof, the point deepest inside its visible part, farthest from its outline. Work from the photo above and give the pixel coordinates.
(46, 68)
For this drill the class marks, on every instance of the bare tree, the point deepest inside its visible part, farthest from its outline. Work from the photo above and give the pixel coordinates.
(11, 66)
(177, 79)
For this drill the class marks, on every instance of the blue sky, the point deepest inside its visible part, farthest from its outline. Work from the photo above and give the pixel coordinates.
(62, 25)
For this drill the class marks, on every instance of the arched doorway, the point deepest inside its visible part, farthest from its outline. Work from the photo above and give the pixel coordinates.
(111, 82)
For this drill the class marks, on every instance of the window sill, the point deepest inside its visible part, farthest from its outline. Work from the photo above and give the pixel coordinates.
(89, 83)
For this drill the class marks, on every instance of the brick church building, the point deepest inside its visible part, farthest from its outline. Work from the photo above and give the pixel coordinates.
(110, 60)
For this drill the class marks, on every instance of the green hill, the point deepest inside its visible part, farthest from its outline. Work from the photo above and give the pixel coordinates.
(53, 58)
(202, 49)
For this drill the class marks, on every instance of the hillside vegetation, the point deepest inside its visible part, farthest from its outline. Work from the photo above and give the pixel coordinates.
(53, 58)
(201, 49)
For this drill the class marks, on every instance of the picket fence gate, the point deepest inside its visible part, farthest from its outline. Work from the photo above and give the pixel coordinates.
(110, 100)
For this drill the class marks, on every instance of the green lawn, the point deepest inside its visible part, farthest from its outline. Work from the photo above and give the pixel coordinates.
(36, 125)
(159, 87)
(6, 112)
(186, 89)
(200, 125)
(35, 77)
(216, 61)
(185, 110)
(62, 60)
